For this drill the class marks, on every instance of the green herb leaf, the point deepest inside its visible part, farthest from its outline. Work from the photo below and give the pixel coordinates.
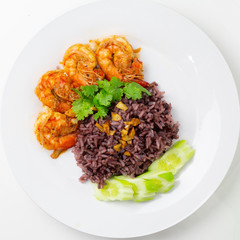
(116, 82)
(103, 95)
(105, 84)
(82, 108)
(89, 91)
(103, 98)
(102, 112)
(117, 94)
(134, 91)
(77, 91)
(112, 87)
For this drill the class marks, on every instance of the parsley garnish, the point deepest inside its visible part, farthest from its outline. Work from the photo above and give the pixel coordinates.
(101, 97)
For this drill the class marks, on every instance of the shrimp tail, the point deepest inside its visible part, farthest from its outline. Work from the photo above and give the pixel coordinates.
(56, 153)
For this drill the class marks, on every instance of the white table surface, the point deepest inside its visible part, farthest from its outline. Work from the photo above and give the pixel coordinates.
(20, 218)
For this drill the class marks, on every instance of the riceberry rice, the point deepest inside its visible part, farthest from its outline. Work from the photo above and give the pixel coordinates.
(94, 150)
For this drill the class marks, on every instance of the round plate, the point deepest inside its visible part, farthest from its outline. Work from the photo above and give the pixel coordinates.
(186, 65)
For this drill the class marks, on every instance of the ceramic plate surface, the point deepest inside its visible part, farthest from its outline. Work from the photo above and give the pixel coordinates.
(186, 65)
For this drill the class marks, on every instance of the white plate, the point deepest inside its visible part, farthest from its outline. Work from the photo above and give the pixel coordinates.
(197, 81)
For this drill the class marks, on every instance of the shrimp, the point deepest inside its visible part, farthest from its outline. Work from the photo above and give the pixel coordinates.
(80, 63)
(117, 58)
(56, 131)
(54, 90)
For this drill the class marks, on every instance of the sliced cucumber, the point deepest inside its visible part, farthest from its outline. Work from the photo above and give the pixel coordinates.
(114, 190)
(174, 159)
(148, 184)
(144, 197)
(162, 181)
(143, 189)
(139, 189)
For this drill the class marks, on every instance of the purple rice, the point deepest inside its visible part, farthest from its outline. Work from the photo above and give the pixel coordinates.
(94, 150)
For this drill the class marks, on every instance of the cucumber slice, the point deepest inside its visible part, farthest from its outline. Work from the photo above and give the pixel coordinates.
(143, 189)
(114, 190)
(174, 159)
(162, 181)
(148, 184)
(144, 197)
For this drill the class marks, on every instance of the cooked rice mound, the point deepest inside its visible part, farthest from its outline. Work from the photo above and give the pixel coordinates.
(95, 149)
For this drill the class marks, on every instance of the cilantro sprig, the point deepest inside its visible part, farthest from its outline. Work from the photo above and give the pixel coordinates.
(134, 90)
(100, 97)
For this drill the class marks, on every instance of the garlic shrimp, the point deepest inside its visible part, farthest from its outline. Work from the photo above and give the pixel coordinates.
(54, 91)
(117, 58)
(80, 63)
(56, 131)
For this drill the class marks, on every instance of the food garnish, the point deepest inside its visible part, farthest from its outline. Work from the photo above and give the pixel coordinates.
(112, 132)
(105, 128)
(124, 132)
(134, 122)
(118, 147)
(102, 95)
(99, 127)
(122, 106)
(127, 153)
(131, 134)
(123, 143)
(134, 90)
(127, 136)
(116, 117)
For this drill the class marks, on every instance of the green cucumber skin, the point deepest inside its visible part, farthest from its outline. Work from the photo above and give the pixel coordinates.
(185, 154)
(143, 198)
(114, 190)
